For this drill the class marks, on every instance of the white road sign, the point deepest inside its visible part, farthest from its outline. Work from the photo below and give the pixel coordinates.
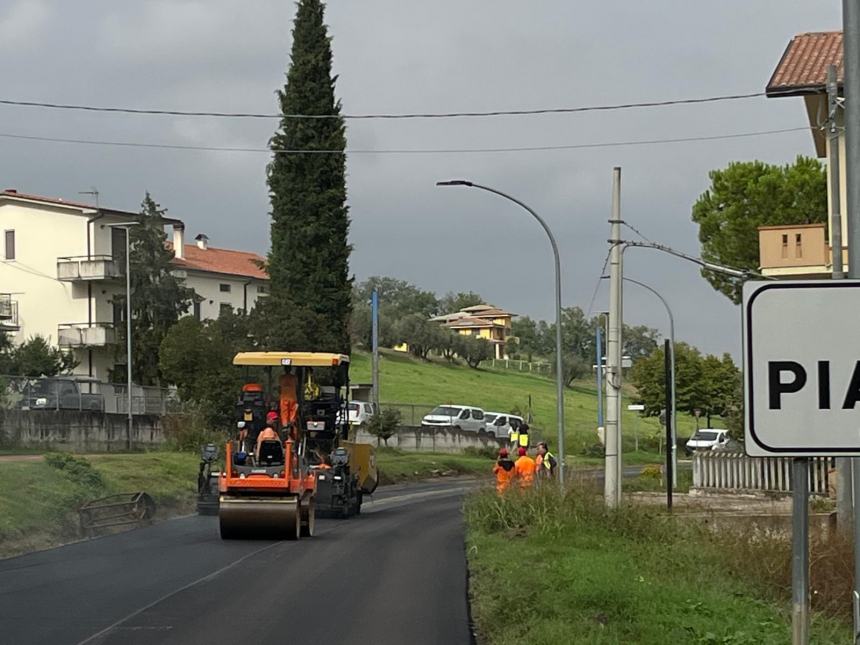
(802, 367)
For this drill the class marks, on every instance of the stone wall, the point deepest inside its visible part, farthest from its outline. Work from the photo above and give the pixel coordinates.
(73, 430)
(418, 439)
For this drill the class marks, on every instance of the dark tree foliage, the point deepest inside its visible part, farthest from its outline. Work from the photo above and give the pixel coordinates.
(746, 195)
(453, 302)
(34, 357)
(158, 298)
(310, 303)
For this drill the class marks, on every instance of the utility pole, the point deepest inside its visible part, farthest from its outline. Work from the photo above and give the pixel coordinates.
(612, 479)
(598, 342)
(844, 508)
(851, 88)
(374, 317)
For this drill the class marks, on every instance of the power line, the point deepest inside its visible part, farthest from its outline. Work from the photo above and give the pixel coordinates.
(396, 151)
(635, 230)
(597, 285)
(408, 115)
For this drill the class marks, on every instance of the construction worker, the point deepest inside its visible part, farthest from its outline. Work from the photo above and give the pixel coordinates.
(268, 434)
(524, 468)
(545, 462)
(504, 471)
(289, 398)
(514, 436)
(524, 436)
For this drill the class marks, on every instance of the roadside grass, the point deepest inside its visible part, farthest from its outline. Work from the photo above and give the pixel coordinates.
(543, 571)
(397, 466)
(404, 379)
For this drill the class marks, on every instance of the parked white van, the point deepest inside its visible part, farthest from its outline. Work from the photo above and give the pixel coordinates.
(707, 439)
(360, 412)
(499, 424)
(460, 417)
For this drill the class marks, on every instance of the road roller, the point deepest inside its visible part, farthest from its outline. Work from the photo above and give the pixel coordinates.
(271, 480)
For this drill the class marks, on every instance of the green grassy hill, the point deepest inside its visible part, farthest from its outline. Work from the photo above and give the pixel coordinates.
(406, 380)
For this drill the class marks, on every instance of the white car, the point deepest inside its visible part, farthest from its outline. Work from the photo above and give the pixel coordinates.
(459, 417)
(500, 424)
(707, 439)
(360, 412)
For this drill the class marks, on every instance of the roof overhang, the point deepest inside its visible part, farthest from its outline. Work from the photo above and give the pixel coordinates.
(297, 359)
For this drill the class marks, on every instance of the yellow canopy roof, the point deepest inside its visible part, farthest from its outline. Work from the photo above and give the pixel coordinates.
(299, 359)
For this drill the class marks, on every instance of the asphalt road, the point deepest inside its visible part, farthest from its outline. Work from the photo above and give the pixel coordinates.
(396, 574)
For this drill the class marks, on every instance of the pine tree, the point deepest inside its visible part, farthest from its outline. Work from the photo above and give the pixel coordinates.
(309, 306)
(158, 298)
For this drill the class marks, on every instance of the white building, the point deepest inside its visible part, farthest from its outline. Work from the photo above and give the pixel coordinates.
(62, 262)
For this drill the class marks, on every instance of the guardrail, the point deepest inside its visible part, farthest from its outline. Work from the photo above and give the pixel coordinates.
(720, 470)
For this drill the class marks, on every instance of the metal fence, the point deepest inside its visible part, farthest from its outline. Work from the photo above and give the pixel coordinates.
(84, 394)
(517, 365)
(410, 413)
(720, 470)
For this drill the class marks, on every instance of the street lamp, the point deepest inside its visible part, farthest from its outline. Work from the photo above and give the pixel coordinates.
(673, 428)
(127, 228)
(558, 362)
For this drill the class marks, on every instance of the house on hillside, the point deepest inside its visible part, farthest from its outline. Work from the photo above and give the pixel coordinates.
(482, 321)
(804, 251)
(63, 262)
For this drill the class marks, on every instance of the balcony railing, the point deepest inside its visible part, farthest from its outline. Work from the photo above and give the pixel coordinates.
(84, 268)
(8, 313)
(86, 334)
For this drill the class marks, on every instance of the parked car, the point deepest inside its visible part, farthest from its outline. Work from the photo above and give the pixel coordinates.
(707, 439)
(60, 394)
(360, 412)
(459, 417)
(499, 424)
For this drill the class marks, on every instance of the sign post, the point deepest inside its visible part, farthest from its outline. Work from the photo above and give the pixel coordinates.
(801, 392)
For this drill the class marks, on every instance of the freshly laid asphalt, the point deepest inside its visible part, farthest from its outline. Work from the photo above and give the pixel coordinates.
(396, 574)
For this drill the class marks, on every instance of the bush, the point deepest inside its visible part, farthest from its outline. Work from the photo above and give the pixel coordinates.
(384, 425)
(189, 431)
(78, 469)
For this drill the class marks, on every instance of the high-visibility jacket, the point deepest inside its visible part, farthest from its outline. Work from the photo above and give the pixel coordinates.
(514, 436)
(525, 469)
(545, 464)
(504, 472)
(524, 439)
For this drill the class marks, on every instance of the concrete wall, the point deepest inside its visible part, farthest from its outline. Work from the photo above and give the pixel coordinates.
(434, 440)
(77, 431)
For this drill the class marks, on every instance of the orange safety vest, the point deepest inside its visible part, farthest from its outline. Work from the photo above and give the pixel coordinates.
(525, 469)
(504, 470)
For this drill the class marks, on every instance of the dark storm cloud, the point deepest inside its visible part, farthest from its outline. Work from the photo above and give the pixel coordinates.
(411, 56)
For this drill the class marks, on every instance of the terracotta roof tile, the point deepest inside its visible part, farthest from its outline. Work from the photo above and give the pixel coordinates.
(224, 261)
(803, 67)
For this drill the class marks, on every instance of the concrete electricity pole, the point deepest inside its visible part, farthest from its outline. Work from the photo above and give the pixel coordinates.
(612, 480)
(374, 317)
(851, 88)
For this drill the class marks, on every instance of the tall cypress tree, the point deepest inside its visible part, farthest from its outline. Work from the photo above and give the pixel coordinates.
(309, 306)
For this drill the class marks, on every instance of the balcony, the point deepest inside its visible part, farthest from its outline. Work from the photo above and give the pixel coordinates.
(86, 335)
(85, 268)
(8, 313)
(798, 251)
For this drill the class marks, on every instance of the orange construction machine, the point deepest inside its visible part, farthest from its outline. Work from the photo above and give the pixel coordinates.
(276, 475)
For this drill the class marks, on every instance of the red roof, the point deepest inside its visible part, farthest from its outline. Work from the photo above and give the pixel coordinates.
(803, 67)
(224, 261)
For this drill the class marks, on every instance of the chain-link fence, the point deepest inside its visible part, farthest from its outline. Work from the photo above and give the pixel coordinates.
(516, 365)
(84, 394)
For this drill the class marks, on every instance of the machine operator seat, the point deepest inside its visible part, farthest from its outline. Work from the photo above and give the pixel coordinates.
(271, 453)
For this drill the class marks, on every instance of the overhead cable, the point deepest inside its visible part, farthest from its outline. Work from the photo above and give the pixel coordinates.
(407, 115)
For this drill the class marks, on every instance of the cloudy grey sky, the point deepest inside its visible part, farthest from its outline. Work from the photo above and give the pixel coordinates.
(445, 55)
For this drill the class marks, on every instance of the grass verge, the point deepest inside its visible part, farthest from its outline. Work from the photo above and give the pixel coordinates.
(546, 571)
(397, 466)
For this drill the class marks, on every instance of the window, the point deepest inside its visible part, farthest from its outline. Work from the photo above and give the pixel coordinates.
(798, 246)
(785, 246)
(464, 414)
(261, 288)
(224, 288)
(196, 309)
(478, 414)
(225, 308)
(10, 245)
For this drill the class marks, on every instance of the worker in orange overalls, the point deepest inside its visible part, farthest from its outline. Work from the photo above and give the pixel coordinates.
(288, 398)
(504, 471)
(524, 469)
